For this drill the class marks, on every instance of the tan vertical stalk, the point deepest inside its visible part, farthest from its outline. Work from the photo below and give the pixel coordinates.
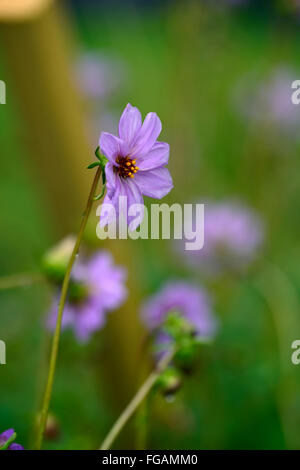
(33, 43)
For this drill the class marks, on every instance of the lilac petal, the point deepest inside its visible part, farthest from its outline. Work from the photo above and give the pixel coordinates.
(108, 213)
(111, 179)
(130, 123)
(15, 446)
(111, 146)
(114, 292)
(7, 435)
(147, 135)
(125, 188)
(107, 292)
(87, 321)
(102, 261)
(154, 183)
(156, 157)
(134, 196)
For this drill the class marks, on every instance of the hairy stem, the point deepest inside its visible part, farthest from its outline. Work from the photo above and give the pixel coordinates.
(137, 400)
(62, 301)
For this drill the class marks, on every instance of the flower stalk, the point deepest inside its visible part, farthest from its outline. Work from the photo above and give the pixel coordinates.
(137, 399)
(62, 301)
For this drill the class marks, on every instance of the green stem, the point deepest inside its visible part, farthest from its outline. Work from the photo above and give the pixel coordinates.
(62, 301)
(142, 426)
(20, 280)
(137, 400)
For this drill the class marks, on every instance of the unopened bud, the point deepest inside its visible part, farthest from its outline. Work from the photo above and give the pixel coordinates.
(55, 261)
(170, 382)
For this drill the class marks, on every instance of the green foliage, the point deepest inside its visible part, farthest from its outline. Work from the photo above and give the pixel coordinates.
(187, 65)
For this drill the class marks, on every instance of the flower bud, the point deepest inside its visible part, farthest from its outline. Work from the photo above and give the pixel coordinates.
(170, 382)
(55, 260)
(52, 430)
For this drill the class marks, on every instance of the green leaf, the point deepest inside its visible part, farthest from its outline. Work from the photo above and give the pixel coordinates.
(102, 159)
(92, 165)
(96, 198)
(97, 153)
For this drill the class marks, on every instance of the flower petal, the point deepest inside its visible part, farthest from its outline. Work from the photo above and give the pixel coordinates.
(15, 446)
(111, 146)
(7, 435)
(87, 321)
(130, 123)
(156, 157)
(154, 183)
(108, 210)
(147, 135)
(114, 207)
(134, 196)
(111, 179)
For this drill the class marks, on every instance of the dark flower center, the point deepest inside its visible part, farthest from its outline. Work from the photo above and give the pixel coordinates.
(127, 167)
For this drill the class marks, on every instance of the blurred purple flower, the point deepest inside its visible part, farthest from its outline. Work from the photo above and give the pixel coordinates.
(269, 101)
(233, 235)
(5, 436)
(102, 284)
(186, 299)
(136, 163)
(98, 75)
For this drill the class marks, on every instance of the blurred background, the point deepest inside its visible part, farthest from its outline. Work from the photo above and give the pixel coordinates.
(219, 75)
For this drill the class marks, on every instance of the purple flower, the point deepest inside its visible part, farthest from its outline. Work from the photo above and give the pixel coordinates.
(5, 437)
(186, 299)
(136, 163)
(269, 102)
(233, 235)
(97, 287)
(99, 75)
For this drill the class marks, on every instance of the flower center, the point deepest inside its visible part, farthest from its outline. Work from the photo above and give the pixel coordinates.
(127, 167)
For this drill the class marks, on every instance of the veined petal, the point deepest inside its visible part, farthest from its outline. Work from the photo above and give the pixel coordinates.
(154, 183)
(156, 157)
(147, 135)
(111, 146)
(130, 123)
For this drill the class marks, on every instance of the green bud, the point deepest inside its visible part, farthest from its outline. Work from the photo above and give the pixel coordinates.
(177, 326)
(169, 382)
(55, 261)
(186, 341)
